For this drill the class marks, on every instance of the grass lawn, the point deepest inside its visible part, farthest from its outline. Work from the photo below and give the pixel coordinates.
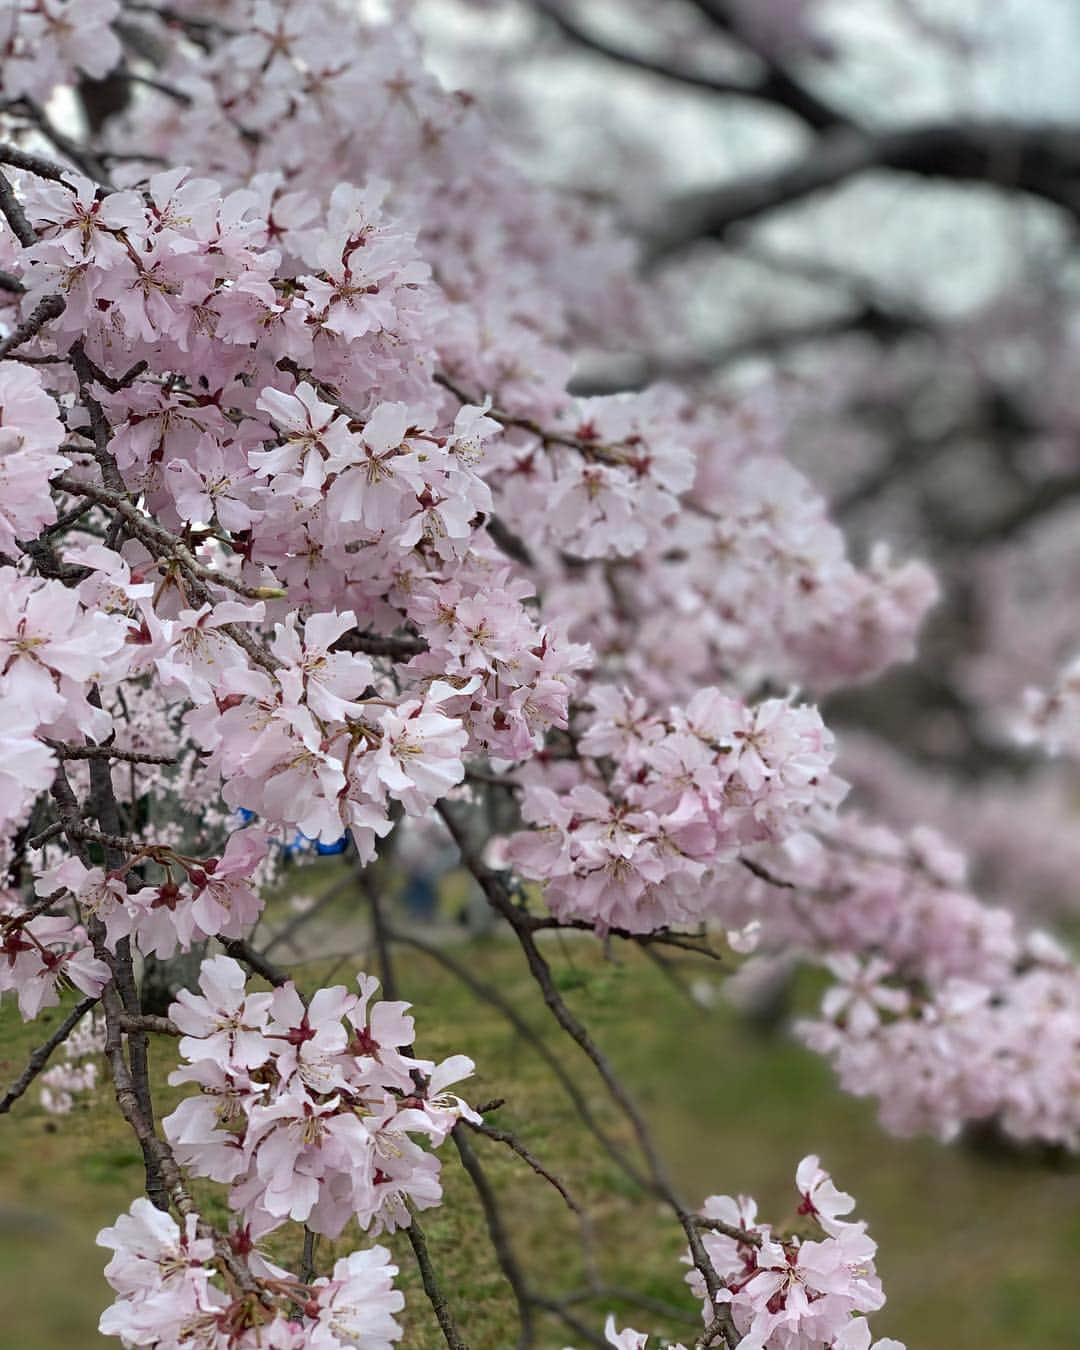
(977, 1252)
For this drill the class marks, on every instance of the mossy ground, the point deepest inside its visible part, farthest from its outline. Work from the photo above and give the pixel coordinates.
(978, 1252)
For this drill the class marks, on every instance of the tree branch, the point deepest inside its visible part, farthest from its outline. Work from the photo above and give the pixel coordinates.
(1042, 159)
(558, 15)
(241, 950)
(495, 890)
(375, 644)
(13, 212)
(500, 1238)
(434, 1290)
(40, 1056)
(777, 84)
(49, 307)
(66, 751)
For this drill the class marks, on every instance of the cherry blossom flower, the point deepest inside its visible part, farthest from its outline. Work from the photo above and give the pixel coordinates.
(861, 996)
(38, 957)
(356, 1304)
(224, 1022)
(30, 436)
(150, 1249)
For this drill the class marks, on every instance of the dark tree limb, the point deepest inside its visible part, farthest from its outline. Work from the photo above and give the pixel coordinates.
(778, 85)
(869, 320)
(1041, 159)
(49, 307)
(13, 213)
(66, 751)
(105, 807)
(774, 86)
(559, 16)
(241, 950)
(38, 165)
(375, 644)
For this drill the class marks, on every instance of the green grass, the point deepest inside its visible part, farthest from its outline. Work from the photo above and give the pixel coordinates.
(977, 1252)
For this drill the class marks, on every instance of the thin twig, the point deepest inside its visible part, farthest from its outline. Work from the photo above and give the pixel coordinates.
(434, 1290)
(500, 1237)
(495, 890)
(493, 997)
(40, 1056)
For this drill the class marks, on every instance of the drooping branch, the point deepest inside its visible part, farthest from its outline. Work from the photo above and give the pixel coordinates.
(379, 929)
(513, 1143)
(500, 1237)
(41, 1055)
(495, 999)
(495, 890)
(436, 1295)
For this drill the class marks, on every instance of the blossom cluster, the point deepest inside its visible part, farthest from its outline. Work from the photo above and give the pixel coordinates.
(754, 583)
(605, 478)
(42, 953)
(45, 41)
(299, 521)
(944, 1009)
(175, 1288)
(55, 649)
(308, 1110)
(807, 1290)
(630, 831)
(214, 897)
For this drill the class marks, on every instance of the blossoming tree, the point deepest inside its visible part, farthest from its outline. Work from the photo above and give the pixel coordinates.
(302, 531)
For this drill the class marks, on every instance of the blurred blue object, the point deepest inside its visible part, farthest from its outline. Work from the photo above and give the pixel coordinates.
(421, 898)
(300, 843)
